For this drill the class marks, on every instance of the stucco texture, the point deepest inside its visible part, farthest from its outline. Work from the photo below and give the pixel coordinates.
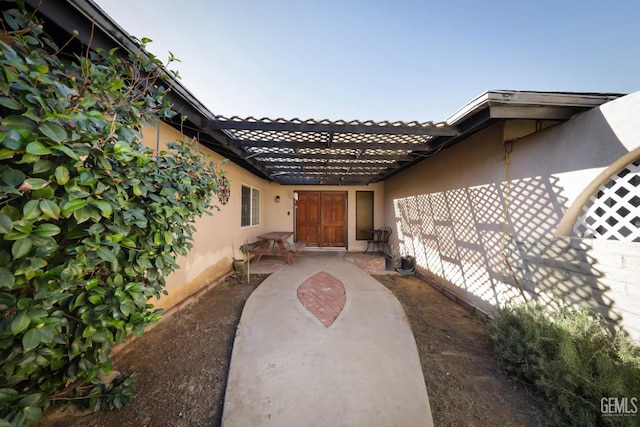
(219, 237)
(456, 211)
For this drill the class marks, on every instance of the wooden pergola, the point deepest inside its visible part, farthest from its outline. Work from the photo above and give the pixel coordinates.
(311, 152)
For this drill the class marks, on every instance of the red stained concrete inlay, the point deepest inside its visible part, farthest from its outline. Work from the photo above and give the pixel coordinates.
(324, 296)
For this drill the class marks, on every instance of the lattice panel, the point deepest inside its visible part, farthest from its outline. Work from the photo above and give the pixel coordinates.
(266, 135)
(376, 148)
(378, 138)
(323, 137)
(613, 213)
(272, 150)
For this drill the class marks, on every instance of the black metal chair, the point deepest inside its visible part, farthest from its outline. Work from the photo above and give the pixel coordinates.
(380, 240)
(372, 241)
(383, 240)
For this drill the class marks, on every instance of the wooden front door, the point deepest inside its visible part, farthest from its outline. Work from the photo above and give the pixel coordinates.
(321, 218)
(308, 218)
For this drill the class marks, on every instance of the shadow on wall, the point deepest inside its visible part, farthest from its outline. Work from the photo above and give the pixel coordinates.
(460, 236)
(580, 272)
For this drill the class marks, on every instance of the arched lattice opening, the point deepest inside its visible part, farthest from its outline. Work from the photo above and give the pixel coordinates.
(613, 212)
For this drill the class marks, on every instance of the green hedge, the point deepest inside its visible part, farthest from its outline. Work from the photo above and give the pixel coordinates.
(573, 359)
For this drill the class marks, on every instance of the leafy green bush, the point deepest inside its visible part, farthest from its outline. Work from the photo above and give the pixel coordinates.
(91, 221)
(571, 357)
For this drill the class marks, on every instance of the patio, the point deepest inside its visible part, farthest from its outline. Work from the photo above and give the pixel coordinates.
(342, 350)
(183, 362)
(517, 195)
(372, 263)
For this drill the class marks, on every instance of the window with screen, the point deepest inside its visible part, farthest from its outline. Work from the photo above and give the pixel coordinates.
(250, 214)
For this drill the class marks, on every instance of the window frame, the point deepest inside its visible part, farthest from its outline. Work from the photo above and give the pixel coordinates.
(253, 206)
(360, 195)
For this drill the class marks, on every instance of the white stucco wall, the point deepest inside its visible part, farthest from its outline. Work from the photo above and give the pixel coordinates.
(449, 210)
(578, 150)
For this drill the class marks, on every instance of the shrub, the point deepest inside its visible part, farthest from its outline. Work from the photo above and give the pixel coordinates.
(571, 357)
(91, 221)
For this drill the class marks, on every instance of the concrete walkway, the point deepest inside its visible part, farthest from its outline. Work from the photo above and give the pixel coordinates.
(322, 343)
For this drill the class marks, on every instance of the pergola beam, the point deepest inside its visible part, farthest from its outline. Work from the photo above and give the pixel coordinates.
(324, 152)
(413, 128)
(320, 168)
(325, 180)
(313, 158)
(334, 145)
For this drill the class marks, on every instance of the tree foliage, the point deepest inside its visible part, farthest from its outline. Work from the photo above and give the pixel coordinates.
(91, 221)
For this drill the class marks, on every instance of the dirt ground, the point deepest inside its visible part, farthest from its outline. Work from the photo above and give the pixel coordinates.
(182, 364)
(466, 386)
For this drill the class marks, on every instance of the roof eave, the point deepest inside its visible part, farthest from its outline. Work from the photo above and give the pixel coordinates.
(98, 30)
(108, 35)
(496, 105)
(509, 104)
(490, 107)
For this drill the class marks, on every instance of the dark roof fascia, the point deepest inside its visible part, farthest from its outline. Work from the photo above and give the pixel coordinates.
(488, 108)
(511, 104)
(499, 105)
(96, 29)
(81, 15)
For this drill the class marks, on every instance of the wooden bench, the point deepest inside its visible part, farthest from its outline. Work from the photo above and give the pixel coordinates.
(258, 252)
(275, 243)
(288, 254)
(248, 246)
(298, 246)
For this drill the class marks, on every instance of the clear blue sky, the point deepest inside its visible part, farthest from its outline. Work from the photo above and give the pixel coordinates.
(385, 60)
